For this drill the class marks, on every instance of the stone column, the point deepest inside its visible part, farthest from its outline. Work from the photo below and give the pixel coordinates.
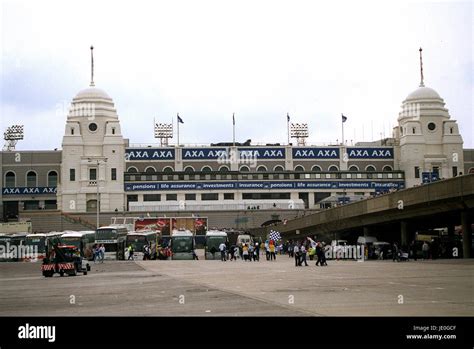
(366, 231)
(466, 234)
(404, 233)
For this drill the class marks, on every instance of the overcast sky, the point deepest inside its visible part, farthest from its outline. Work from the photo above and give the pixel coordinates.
(260, 59)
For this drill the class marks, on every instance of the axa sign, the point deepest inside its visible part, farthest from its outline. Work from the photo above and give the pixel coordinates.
(315, 153)
(370, 153)
(149, 154)
(29, 191)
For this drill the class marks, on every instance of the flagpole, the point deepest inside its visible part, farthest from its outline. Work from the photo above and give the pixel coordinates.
(177, 122)
(233, 128)
(342, 119)
(288, 126)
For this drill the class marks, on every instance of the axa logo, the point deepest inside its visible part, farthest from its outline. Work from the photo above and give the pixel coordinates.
(37, 332)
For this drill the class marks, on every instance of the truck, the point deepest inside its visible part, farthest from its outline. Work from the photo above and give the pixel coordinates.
(213, 240)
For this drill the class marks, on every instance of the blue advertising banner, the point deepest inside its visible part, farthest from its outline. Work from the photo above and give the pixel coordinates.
(204, 153)
(370, 153)
(262, 185)
(132, 154)
(224, 153)
(315, 153)
(262, 153)
(29, 191)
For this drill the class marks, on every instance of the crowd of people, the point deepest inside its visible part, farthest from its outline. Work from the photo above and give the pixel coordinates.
(299, 250)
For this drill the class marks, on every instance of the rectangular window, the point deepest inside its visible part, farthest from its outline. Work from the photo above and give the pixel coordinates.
(208, 197)
(92, 174)
(191, 197)
(417, 172)
(228, 196)
(72, 174)
(113, 174)
(171, 197)
(72, 132)
(455, 171)
(113, 130)
(436, 170)
(151, 197)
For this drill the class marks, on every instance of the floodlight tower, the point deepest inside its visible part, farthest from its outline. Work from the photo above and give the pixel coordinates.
(12, 135)
(300, 132)
(163, 132)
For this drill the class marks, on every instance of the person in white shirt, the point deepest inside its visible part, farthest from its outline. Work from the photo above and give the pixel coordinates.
(303, 255)
(222, 248)
(296, 251)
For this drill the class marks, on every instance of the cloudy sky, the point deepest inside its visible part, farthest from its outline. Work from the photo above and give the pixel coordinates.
(258, 59)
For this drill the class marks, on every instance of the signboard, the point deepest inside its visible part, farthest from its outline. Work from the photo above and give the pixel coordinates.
(133, 154)
(315, 153)
(224, 153)
(262, 153)
(29, 191)
(204, 153)
(428, 177)
(262, 185)
(370, 153)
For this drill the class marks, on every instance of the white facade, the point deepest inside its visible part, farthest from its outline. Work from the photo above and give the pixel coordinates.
(92, 155)
(428, 139)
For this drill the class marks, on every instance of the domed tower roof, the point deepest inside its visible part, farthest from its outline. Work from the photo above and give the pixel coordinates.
(423, 93)
(92, 93)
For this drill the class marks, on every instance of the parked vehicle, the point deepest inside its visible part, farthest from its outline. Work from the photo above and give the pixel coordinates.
(64, 259)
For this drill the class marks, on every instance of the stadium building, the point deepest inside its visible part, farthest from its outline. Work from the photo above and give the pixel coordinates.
(97, 164)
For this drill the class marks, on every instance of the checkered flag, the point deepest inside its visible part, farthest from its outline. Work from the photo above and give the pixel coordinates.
(274, 235)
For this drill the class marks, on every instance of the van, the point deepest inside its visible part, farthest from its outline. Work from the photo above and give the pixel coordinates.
(366, 240)
(244, 239)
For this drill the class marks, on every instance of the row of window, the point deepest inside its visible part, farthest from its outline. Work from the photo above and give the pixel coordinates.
(261, 168)
(211, 196)
(263, 176)
(31, 179)
(92, 174)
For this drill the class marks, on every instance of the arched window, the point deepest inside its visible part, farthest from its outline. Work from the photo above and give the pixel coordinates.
(261, 168)
(333, 168)
(10, 179)
(189, 169)
(223, 169)
(244, 169)
(387, 168)
(132, 169)
(168, 169)
(316, 168)
(471, 170)
(354, 168)
(52, 179)
(278, 168)
(370, 168)
(206, 169)
(150, 169)
(299, 168)
(31, 179)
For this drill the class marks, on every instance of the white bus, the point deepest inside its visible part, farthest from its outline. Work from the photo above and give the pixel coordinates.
(83, 240)
(42, 242)
(139, 239)
(213, 240)
(182, 245)
(113, 238)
